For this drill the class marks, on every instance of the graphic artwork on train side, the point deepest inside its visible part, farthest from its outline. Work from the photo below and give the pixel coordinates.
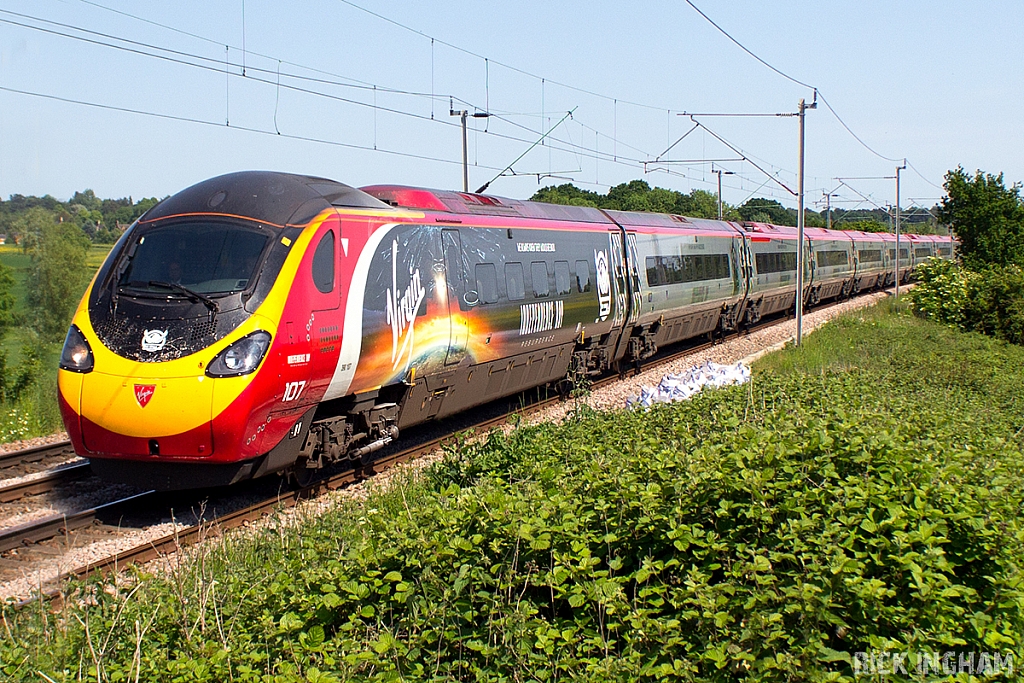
(260, 322)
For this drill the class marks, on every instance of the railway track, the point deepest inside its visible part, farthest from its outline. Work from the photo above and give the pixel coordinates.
(64, 524)
(15, 463)
(45, 483)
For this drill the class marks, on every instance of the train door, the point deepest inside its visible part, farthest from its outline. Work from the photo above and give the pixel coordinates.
(621, 304)
(635, 284)
(746, 271)
(304, 369)
(810, 267)
(322, 330)
(617, 278)
(455, 277)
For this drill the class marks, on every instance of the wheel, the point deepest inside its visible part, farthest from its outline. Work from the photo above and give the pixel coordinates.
(303, 475)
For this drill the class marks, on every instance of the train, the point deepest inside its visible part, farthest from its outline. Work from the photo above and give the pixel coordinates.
(264, 322)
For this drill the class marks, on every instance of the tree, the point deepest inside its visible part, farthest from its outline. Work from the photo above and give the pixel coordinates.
(638, 195)
(759, 208)
(699, 204)
(567, 194)
(864, 225)
(88, 199)
(28, 227)
(987, 217)
(58, 276)
(7, 301)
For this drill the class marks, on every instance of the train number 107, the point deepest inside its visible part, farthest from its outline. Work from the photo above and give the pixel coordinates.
(292, 390)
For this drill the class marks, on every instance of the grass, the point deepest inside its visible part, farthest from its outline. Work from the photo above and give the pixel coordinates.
(864, 493)
(36, 413)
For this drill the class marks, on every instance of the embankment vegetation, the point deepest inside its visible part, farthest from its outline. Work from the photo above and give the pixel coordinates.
(51, 250)
(984, 290)
(864, 492)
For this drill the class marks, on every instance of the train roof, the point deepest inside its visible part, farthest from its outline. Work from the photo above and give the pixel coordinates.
(450, 201)
(266, 196)
(861, 236)
(282, 199)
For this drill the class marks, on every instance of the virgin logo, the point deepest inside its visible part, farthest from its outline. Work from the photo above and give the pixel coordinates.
(401, 310)
(143, 393)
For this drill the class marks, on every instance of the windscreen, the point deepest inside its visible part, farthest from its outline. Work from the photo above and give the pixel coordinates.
(208, 257)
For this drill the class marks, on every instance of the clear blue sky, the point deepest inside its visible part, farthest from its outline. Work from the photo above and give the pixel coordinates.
(937, 82)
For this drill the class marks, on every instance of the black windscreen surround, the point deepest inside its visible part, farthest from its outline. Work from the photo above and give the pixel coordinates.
(276, 198)
(200, 262)
(208, 257)
(193, 279)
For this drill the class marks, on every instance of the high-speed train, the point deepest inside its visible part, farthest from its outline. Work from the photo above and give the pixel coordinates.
(265, 322)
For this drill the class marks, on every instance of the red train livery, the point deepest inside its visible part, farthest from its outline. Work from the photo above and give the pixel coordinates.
(264, 322)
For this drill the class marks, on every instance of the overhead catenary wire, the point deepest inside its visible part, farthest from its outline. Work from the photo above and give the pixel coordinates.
(247, 129)
(579, 150)
(568, 115)
(364, 84)
(182, 57)
(816, 90)
(212, 65)
(737, 151)
(615, 157)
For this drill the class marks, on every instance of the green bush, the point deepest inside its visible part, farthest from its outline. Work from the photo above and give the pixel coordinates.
(995, 304)
(942, 291)
(990, 301)
(867, 500)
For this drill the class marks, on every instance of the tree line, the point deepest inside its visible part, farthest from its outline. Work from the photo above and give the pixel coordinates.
(638, 195)
(101, 220)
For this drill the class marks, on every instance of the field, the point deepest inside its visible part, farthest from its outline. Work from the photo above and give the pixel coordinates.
(863, 494)
(36, 412)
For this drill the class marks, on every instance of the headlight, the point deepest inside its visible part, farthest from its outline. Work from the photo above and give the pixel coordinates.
(240, 358)
(76, 355)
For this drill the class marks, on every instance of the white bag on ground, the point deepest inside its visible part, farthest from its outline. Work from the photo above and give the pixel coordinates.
(683, 385)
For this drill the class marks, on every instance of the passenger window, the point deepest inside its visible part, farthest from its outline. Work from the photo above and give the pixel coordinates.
(539, 275)
(562, 277)
(323, 263)
(515, 286)
(487, 283)
(582, 276)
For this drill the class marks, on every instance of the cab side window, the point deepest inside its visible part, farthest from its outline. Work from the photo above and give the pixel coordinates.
(323, 263)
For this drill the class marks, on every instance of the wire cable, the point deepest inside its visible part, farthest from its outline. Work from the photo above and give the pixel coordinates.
(921, 176)
(806, 85)
(855, 136)
(215, 65)
(743, 47)
(247, 129)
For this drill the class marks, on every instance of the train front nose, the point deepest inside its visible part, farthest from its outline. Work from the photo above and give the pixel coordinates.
(143, 415)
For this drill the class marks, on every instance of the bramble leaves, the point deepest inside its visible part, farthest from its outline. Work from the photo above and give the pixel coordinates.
(864, 493)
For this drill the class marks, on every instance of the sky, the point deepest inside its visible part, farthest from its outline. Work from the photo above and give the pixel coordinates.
(145, 98)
